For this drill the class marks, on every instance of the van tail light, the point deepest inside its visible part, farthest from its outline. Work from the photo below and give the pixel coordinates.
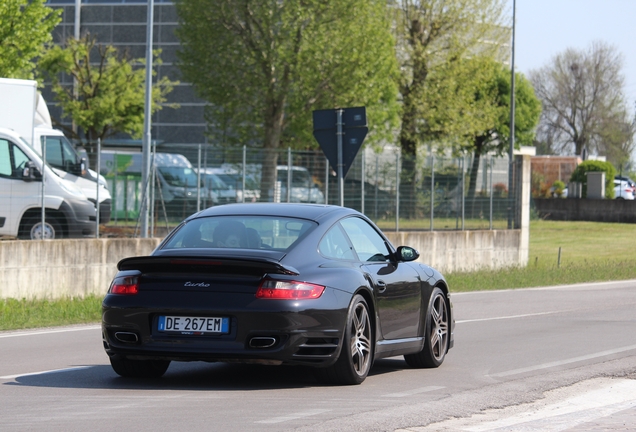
(126, 285)
(288, 290)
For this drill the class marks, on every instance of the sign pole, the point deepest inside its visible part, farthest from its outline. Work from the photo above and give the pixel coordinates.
(340, 176)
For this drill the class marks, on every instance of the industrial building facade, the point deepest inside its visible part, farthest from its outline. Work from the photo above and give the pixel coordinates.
(123, 24)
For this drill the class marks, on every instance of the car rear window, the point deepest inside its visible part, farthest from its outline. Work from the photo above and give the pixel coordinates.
(245, 232)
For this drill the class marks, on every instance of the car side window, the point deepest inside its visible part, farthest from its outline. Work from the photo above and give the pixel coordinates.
(335, 245)
(368, 244)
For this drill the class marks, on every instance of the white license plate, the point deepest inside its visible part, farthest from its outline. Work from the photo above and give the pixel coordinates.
(194, 325)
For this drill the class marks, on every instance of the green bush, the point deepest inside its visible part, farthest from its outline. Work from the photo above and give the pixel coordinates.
(593, 165)
(559, 187)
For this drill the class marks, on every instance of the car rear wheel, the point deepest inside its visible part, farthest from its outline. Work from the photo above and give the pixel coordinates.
(436, 335)
(139, 368)
(356, 355)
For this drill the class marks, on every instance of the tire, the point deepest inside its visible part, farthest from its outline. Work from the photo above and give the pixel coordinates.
(31, 229)
(436, 334)
(356, 356)
(139, 368)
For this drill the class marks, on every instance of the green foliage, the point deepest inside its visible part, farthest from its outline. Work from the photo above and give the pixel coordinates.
(110, 91)
(264, 66)
(25, 26)
(437, 81)
(578, 175)
(559, 187)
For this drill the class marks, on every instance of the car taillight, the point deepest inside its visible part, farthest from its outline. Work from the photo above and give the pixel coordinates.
(128, 285)
(289, 290)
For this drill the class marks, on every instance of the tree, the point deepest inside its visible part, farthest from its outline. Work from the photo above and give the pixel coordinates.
(265, 65)
(25, 27)
(583, 103)
(494, 90)
(110, 96)
(432, 36)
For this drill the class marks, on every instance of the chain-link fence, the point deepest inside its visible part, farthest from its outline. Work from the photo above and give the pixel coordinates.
(429, 193)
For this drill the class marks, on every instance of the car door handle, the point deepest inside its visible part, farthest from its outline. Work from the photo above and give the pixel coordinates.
(381, 286)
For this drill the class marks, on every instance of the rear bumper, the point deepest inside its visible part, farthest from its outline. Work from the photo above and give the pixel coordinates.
(306, 332)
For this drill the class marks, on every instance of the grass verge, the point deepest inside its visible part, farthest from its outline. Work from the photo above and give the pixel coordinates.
(17, 314)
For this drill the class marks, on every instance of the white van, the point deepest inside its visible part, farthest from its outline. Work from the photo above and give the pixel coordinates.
(303, 188)
(68, 213)
(24, 111)
(225, 185)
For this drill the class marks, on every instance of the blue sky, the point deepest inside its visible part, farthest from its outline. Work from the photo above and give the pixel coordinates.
(545, 28)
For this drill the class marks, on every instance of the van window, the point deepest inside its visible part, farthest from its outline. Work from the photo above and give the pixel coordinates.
(59, 153)
(5, 159)
(300, 178)
(179, 176)
(11, 166)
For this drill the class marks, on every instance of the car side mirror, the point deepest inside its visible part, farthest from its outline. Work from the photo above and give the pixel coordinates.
(406, 253)
(30, 172)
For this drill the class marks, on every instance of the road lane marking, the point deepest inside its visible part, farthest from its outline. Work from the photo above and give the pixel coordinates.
(294, 416)
(43, 332)
(8, 377)
(508, 317)
(563, 362)
(414, 391)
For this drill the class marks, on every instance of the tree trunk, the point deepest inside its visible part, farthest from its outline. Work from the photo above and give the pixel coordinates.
(408, 176)
(273, 131)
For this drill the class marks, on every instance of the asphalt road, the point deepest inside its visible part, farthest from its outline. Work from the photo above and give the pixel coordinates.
(520, 356)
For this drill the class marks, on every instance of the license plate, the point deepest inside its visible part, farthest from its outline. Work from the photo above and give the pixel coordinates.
(194, 325)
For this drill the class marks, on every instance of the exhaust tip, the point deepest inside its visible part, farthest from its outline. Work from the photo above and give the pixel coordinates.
(126, 337)
(262, 342)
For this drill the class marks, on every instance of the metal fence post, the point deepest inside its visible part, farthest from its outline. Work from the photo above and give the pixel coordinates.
(244, 173)
(289, 173)
(397, 192)
(99, 153)
(43, 212)
(463, 191)
(362, 183)
(492, 167)
(199, 178)
(432, 190)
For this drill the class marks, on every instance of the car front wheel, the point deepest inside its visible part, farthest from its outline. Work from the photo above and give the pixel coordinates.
(436, 335)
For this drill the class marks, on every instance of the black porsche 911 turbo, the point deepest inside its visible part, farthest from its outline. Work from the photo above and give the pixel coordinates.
(267, 283)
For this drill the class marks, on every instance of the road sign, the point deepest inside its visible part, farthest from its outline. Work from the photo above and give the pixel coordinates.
(340, 133)
(354, 130)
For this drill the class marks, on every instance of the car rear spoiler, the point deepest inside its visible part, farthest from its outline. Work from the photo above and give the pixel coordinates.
(208, 264)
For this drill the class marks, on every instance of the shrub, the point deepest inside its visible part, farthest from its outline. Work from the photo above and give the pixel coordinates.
(593, 165)
(558, 187)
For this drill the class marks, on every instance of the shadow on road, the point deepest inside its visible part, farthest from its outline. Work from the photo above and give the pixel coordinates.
(193, 376)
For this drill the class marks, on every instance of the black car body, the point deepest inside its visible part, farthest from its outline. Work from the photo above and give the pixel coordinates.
(308, 284)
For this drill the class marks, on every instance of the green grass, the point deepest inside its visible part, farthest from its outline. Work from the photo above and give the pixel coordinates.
(17, 314)
(590, 251)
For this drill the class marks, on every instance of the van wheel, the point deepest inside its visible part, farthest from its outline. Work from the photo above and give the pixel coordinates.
(32, 229)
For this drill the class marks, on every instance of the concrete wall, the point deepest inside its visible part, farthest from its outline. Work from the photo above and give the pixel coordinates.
(593, 210)
(64, 268)
(76, 268)
(461, 251)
